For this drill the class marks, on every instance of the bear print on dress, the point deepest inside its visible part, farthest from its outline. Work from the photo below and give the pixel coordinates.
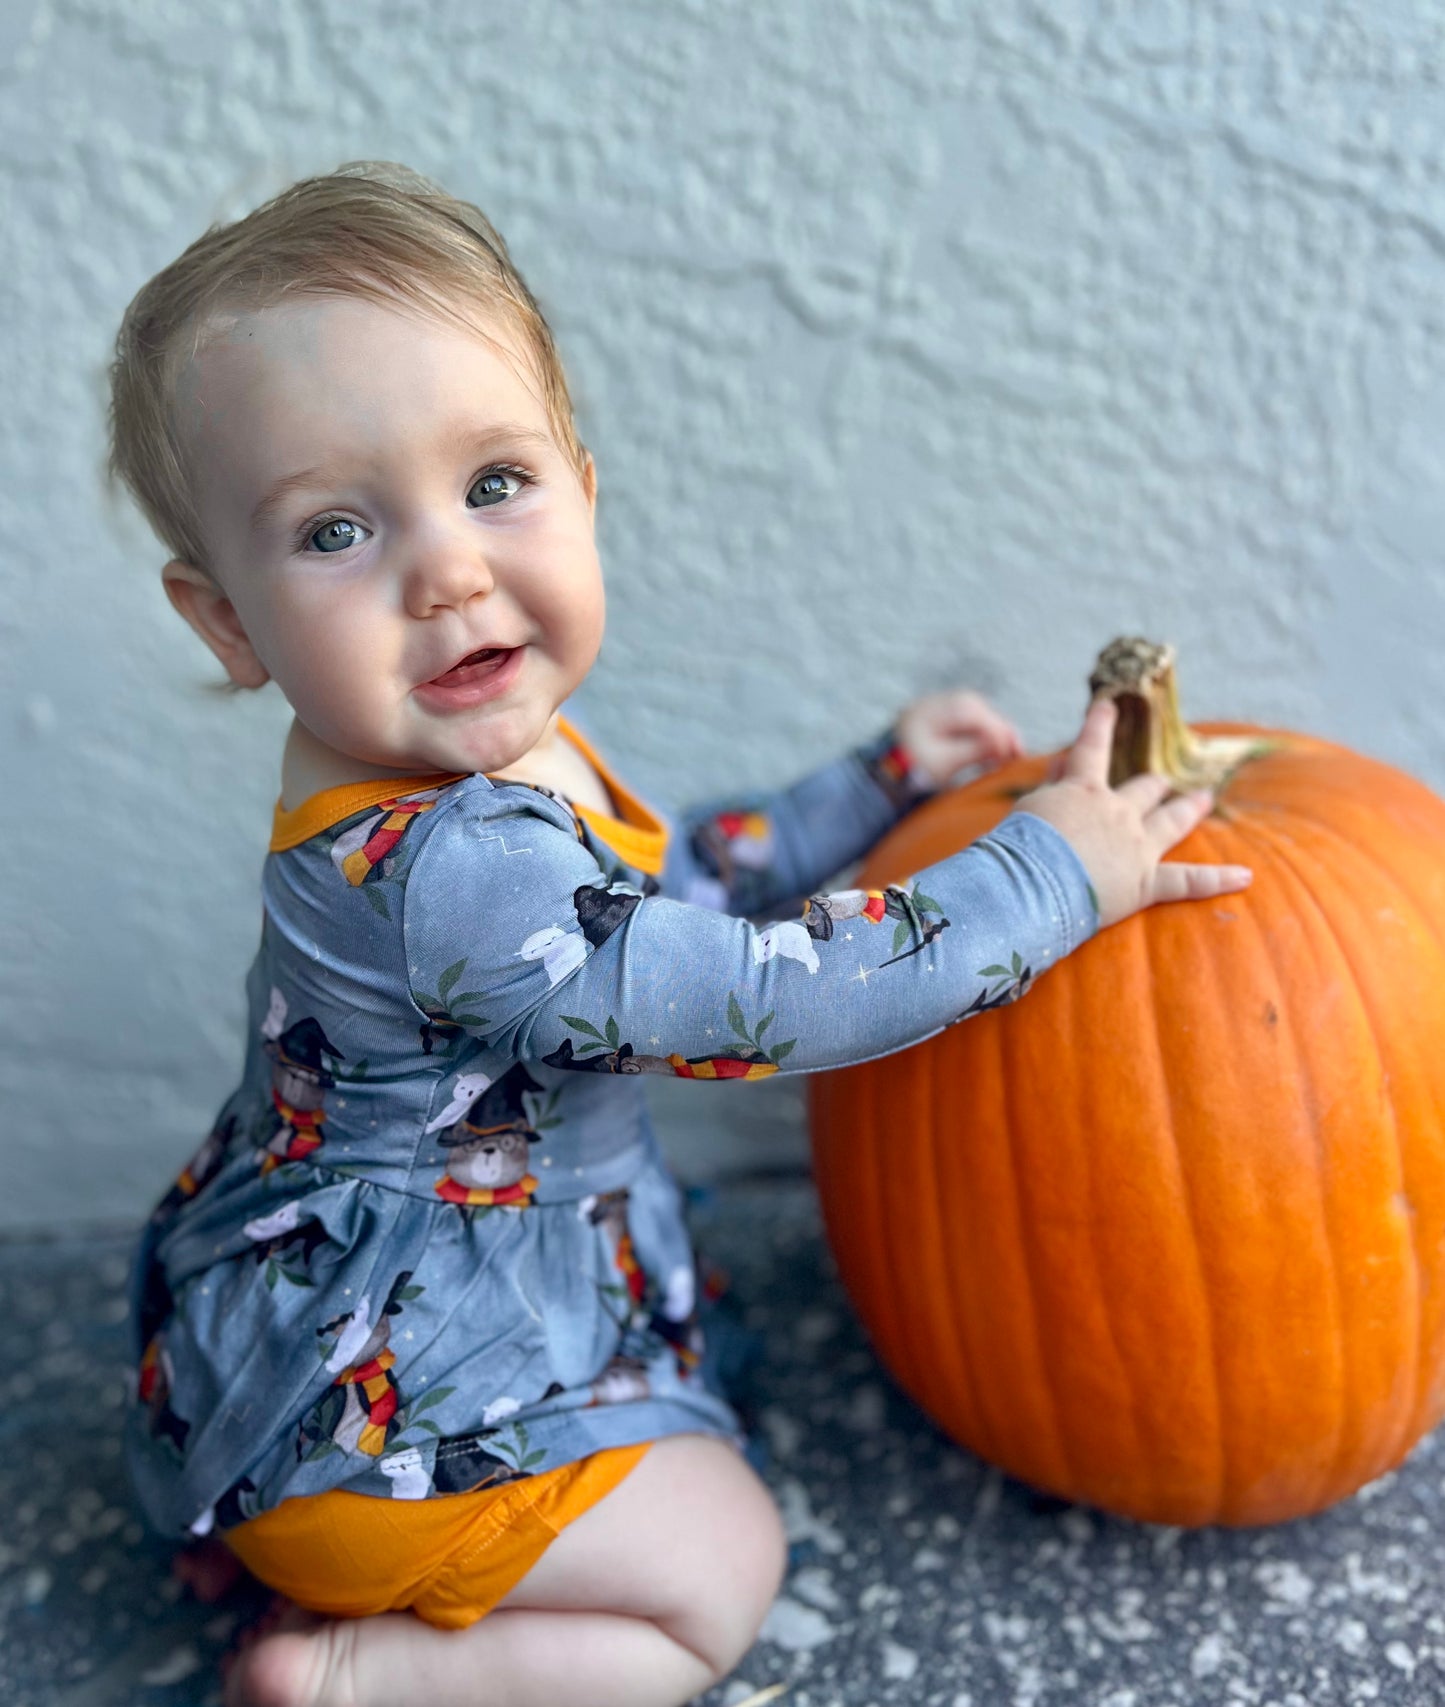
(300, 1079)
(490, 1148)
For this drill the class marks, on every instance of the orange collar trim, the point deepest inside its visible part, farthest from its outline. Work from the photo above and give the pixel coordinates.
(635, 833)
(319, 812)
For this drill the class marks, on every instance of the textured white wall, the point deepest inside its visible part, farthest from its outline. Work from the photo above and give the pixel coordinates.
(917, 341)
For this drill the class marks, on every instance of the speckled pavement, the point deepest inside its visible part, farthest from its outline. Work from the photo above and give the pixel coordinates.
(918, 1575)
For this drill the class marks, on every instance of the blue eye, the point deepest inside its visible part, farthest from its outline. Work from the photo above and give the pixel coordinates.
(335, 534)
(497, 485)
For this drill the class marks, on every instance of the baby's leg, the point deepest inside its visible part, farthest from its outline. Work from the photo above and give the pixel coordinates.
(643, 1601)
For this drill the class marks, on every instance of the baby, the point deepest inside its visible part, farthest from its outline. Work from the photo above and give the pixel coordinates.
(417, 1329)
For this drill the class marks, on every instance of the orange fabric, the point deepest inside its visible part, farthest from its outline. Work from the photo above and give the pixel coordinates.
(318, 812)
(637, 835)
(449, 1559)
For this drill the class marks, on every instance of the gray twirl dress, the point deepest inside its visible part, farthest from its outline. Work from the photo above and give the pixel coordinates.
(430, 1244)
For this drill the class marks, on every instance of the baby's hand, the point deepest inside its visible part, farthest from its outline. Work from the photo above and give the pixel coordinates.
(1120, 834)
(943, 732)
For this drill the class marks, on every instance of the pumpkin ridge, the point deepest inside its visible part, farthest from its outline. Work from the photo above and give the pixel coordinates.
(1143, 1457)
(1421, 918)
(1407, 1418)
(1061, 1452)
(1187, 1193)
(1266, 838)
(1328, 827)
(1420, 1286)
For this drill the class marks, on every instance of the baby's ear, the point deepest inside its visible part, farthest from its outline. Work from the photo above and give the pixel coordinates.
(203, 604)
(589, 479)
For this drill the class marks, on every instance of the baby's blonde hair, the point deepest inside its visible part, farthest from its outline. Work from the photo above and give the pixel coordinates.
(369, 229)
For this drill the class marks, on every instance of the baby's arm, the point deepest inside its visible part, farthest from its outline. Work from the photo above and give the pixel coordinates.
(578, 975)
(748, 853)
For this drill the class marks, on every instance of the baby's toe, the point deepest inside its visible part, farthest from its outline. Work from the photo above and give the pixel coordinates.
(287, 1659)
(294, 1666)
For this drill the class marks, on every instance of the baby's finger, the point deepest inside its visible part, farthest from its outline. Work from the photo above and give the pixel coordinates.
(1178, 882)
(1169, 824)
(1002, 741)
(999, 736)
(1088, 759)
(1145, 791)
(981, 719)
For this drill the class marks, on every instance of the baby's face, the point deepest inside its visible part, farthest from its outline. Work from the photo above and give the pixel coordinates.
(440, 518)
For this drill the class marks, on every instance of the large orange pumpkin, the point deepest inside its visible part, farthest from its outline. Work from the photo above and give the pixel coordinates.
(1168, 1235)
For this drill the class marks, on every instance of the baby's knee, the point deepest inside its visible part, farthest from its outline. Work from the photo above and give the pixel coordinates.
(771, 1543)
(739, 1561)
(753, 1537)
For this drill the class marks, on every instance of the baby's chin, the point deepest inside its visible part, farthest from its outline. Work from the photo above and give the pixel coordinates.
(483, 752)
(490, 743)
(313, 763)
(425, 741)
(460, 752)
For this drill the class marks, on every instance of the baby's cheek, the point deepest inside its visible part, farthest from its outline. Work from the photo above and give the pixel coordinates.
(335, 674)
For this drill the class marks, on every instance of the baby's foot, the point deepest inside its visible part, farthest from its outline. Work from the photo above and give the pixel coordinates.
(287, 1658)
(209, 1569)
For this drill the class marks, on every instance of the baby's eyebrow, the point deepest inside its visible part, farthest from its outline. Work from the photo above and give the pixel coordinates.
(276, 495)
(465, 438)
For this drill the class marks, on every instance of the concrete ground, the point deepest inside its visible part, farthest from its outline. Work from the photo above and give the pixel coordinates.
(918, 1574)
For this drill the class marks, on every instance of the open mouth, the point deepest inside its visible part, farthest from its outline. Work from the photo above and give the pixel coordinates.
(474, 666)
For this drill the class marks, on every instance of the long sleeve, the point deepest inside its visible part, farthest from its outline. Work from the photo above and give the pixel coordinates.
(559, 967)
(750, 852)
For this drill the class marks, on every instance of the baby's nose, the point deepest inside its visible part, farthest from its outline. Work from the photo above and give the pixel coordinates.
(447, 569)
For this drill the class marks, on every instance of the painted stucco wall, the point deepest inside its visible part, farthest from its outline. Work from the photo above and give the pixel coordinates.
(918, 342)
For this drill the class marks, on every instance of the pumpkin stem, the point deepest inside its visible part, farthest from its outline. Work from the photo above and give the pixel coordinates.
(1151, 735)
